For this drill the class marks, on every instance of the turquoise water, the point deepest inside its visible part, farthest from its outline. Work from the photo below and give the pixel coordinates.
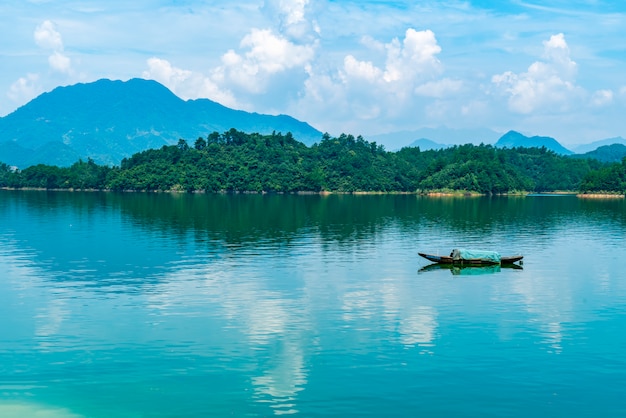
(158, 305)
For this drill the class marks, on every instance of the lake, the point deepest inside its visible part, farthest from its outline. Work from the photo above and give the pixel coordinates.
(161, 305)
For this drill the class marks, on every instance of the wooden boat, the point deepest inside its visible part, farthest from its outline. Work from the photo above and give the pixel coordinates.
(444, 259)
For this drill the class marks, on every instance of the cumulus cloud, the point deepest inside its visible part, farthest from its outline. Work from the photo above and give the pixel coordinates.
(602, 98)
(415, 56)
(48, 38)
(266, 71)
(292, 18)
(372, 43)
(388, 85)
(187, 84)
(267, 54)
(408, 63)
(162, 71)
(354, 69)
(24, 89)
(60, 62)
(547, 84)
(272, 53)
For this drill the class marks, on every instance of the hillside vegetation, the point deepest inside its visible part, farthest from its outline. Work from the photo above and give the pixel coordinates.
(110, 120)
(235, 161)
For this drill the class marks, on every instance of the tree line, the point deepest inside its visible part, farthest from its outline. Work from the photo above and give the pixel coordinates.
(235, 161)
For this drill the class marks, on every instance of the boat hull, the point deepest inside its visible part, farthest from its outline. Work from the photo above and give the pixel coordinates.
(444, 259)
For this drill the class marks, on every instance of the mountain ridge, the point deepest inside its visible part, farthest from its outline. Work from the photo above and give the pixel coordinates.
(441, 136)
(513, 139)
(613, 153)
(108, 120)
(585, 148)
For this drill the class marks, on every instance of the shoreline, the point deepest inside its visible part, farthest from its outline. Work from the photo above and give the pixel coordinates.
(424, 193)
(600, 196)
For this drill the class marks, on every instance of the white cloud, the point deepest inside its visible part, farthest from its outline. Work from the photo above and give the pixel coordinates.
(407, 64)
(547, 85)
(292, 19)
(162, 71)
(557, 53)
(416, 56)
(372, 43)
(602, 98)
(294, 11)
(267, 55)
(387, 88)
(360, 69)
(187, 84)
(272, 53)
(24, 89)
(48, 38)
(60, 62)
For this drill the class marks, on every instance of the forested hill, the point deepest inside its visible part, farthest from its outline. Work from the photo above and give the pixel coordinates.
(239, 162)
(108, 120)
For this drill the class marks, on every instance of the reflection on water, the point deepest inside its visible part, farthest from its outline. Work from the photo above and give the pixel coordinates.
(22, 410)
(457, 270)
(211, 305)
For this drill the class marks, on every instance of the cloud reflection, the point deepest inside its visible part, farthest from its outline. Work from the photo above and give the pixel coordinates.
(48, 322)
(419, 327)
(23, 279)
(550, 304)
(275, 325)
(285, 377)
(413, 324)
(22, 410)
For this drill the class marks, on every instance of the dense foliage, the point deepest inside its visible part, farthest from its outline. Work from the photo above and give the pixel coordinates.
(611, 178)
(239, 162)
(81, 175)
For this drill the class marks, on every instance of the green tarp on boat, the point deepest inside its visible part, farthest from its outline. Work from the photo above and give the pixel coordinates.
(463, 254)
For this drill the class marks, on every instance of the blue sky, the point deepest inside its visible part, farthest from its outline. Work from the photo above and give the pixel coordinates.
(550, 67)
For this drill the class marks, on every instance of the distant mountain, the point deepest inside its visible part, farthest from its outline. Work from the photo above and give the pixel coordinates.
(440, 135)
(426, 144)
(613, 153)
(581, 149)
(513, 139)
(109, 120)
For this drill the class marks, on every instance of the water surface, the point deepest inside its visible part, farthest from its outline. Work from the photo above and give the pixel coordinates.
(159, 305)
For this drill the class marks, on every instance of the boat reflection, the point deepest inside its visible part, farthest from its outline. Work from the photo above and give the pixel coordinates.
(457, 270)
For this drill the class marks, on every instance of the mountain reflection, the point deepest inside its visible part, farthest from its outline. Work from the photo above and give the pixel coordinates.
(133, 237)
(276, 304)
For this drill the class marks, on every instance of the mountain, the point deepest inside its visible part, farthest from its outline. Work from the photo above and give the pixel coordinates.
(585, 148)
(426, 144)
(513, 139)
(439, 135)
(110, 120)
(613, 153)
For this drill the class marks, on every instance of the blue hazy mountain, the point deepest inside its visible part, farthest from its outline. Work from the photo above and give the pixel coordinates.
(440, 136)
(585, 148)
(109, 120)
(425, 144)
(513, 139)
